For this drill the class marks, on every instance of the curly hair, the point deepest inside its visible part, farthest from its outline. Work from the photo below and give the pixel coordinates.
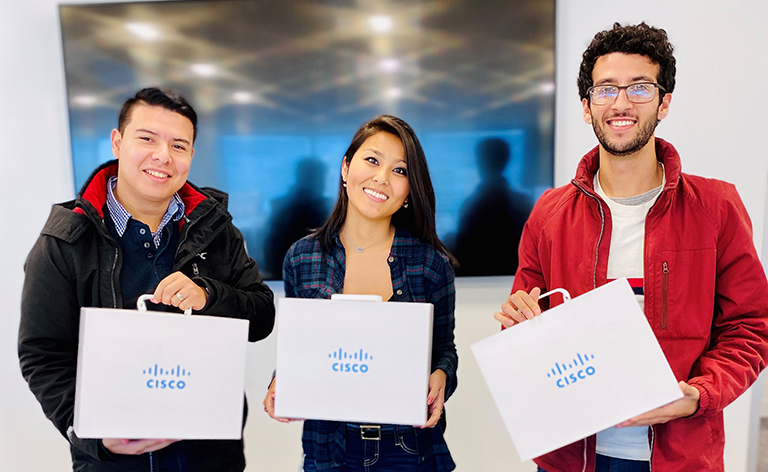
(632, 39)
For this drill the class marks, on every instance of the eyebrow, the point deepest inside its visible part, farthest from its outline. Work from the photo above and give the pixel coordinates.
(149, 131)
(640, 78)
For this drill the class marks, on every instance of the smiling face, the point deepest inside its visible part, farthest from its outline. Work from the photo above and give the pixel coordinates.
(154, 152)
(376, 177)
(623, 127)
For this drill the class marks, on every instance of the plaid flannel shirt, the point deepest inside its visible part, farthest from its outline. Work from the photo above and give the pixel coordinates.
(420, 273)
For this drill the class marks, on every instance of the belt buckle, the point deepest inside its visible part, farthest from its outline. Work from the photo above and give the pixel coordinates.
(370, 432)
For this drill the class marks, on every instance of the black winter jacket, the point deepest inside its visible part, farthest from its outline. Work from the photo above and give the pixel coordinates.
(75, 263)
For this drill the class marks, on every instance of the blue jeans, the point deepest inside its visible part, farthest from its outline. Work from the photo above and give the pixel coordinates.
(612, 464)
(396, 451)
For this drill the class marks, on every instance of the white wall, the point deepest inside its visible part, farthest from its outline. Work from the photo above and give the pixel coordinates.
(715, 122)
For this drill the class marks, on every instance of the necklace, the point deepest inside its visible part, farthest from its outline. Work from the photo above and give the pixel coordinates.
(362, 249)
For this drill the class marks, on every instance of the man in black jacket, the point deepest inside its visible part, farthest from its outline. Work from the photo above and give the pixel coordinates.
(136, 227)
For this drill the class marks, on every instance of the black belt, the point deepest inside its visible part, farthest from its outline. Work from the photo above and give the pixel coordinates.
(374, 432)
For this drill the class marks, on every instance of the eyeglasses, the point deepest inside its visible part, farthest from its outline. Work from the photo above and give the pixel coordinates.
(642, 92)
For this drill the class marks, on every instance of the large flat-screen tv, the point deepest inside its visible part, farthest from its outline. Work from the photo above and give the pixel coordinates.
(280, 87)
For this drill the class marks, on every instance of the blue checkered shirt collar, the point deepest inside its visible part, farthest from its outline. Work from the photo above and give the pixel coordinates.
(120, 215)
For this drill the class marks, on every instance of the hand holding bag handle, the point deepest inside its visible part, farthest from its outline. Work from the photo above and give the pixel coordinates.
(141, 304)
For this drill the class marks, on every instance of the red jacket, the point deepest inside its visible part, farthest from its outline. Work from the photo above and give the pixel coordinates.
(706, 296)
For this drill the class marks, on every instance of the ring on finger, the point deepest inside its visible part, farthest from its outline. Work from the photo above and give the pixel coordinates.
(180, 296)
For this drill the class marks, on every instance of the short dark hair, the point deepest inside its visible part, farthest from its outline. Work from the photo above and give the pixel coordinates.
(632, 39)
(419, 218)
(158, 97)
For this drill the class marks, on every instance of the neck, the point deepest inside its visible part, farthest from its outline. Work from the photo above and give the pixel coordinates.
(363, 232)
(627, 176)
(151, 214)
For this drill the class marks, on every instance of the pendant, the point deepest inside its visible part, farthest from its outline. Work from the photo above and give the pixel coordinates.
(360, 249)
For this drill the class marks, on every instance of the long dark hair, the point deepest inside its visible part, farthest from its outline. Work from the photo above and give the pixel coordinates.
(419, 218)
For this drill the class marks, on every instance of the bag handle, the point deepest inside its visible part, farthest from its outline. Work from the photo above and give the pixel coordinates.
(564, 292)
(141, 304)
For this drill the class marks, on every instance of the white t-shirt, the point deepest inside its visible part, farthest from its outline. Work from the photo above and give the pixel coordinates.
(625, 259)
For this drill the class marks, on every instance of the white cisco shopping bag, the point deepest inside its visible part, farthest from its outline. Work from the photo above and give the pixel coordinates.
(159, 375)
(347, 360)
(581, 367)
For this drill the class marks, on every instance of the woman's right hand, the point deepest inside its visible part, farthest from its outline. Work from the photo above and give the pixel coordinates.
(269, 403)
(520, 306)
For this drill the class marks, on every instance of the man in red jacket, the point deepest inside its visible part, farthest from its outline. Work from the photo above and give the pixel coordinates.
(683, 241)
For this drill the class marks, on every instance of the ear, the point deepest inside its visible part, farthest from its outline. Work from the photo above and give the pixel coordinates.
(664, 107)
(344, 169)
(117, 140)
(587, 113)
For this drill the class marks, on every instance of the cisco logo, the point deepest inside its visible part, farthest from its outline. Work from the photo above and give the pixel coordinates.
(355, 362)
(160, 378)
(570, 373)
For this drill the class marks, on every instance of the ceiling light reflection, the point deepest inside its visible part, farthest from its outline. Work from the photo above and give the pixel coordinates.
(84, 100)
(547, 87)
(145, 31)
(243, 97)
(389, 65)
(394, 92)
(204, 70)
(380, 23)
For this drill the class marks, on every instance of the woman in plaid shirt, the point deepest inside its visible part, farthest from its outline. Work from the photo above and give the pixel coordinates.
(381, 239)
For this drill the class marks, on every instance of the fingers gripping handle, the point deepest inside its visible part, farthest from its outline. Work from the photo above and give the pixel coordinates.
(141, 304)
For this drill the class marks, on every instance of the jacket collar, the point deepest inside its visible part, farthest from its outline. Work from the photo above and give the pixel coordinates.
(94, 191)
(665, 153)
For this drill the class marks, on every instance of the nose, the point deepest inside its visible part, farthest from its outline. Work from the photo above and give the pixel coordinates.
(622, 100)
(382, 176)
(163, 153)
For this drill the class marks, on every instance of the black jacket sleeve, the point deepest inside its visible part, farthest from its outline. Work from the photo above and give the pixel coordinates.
(238, 291)
(48, 334)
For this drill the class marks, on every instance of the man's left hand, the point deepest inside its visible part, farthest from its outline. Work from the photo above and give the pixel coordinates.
(180, 291)
(681, 408)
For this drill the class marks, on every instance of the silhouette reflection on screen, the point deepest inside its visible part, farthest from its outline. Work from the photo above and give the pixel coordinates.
(295, 214)
(492, 218)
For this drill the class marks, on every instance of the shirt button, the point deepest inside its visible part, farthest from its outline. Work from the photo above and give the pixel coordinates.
(142, 231)
(146, 244)
(399, 292)
(391, 259)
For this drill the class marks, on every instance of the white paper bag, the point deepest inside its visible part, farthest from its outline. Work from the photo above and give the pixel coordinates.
(159, 375)
(581, 367)
(357, 361)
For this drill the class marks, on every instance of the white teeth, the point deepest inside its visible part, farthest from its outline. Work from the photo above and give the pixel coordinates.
(157, 174)
(622, 122)
(375, 194)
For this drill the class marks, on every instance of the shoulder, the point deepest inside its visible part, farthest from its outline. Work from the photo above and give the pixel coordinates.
(203, 197)
(422, 257)
(304, 250)
(553, 204)
(65, 223)
(65, 240)
(219, 196)
(707, 190)
(716, 198)
(554, 199)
